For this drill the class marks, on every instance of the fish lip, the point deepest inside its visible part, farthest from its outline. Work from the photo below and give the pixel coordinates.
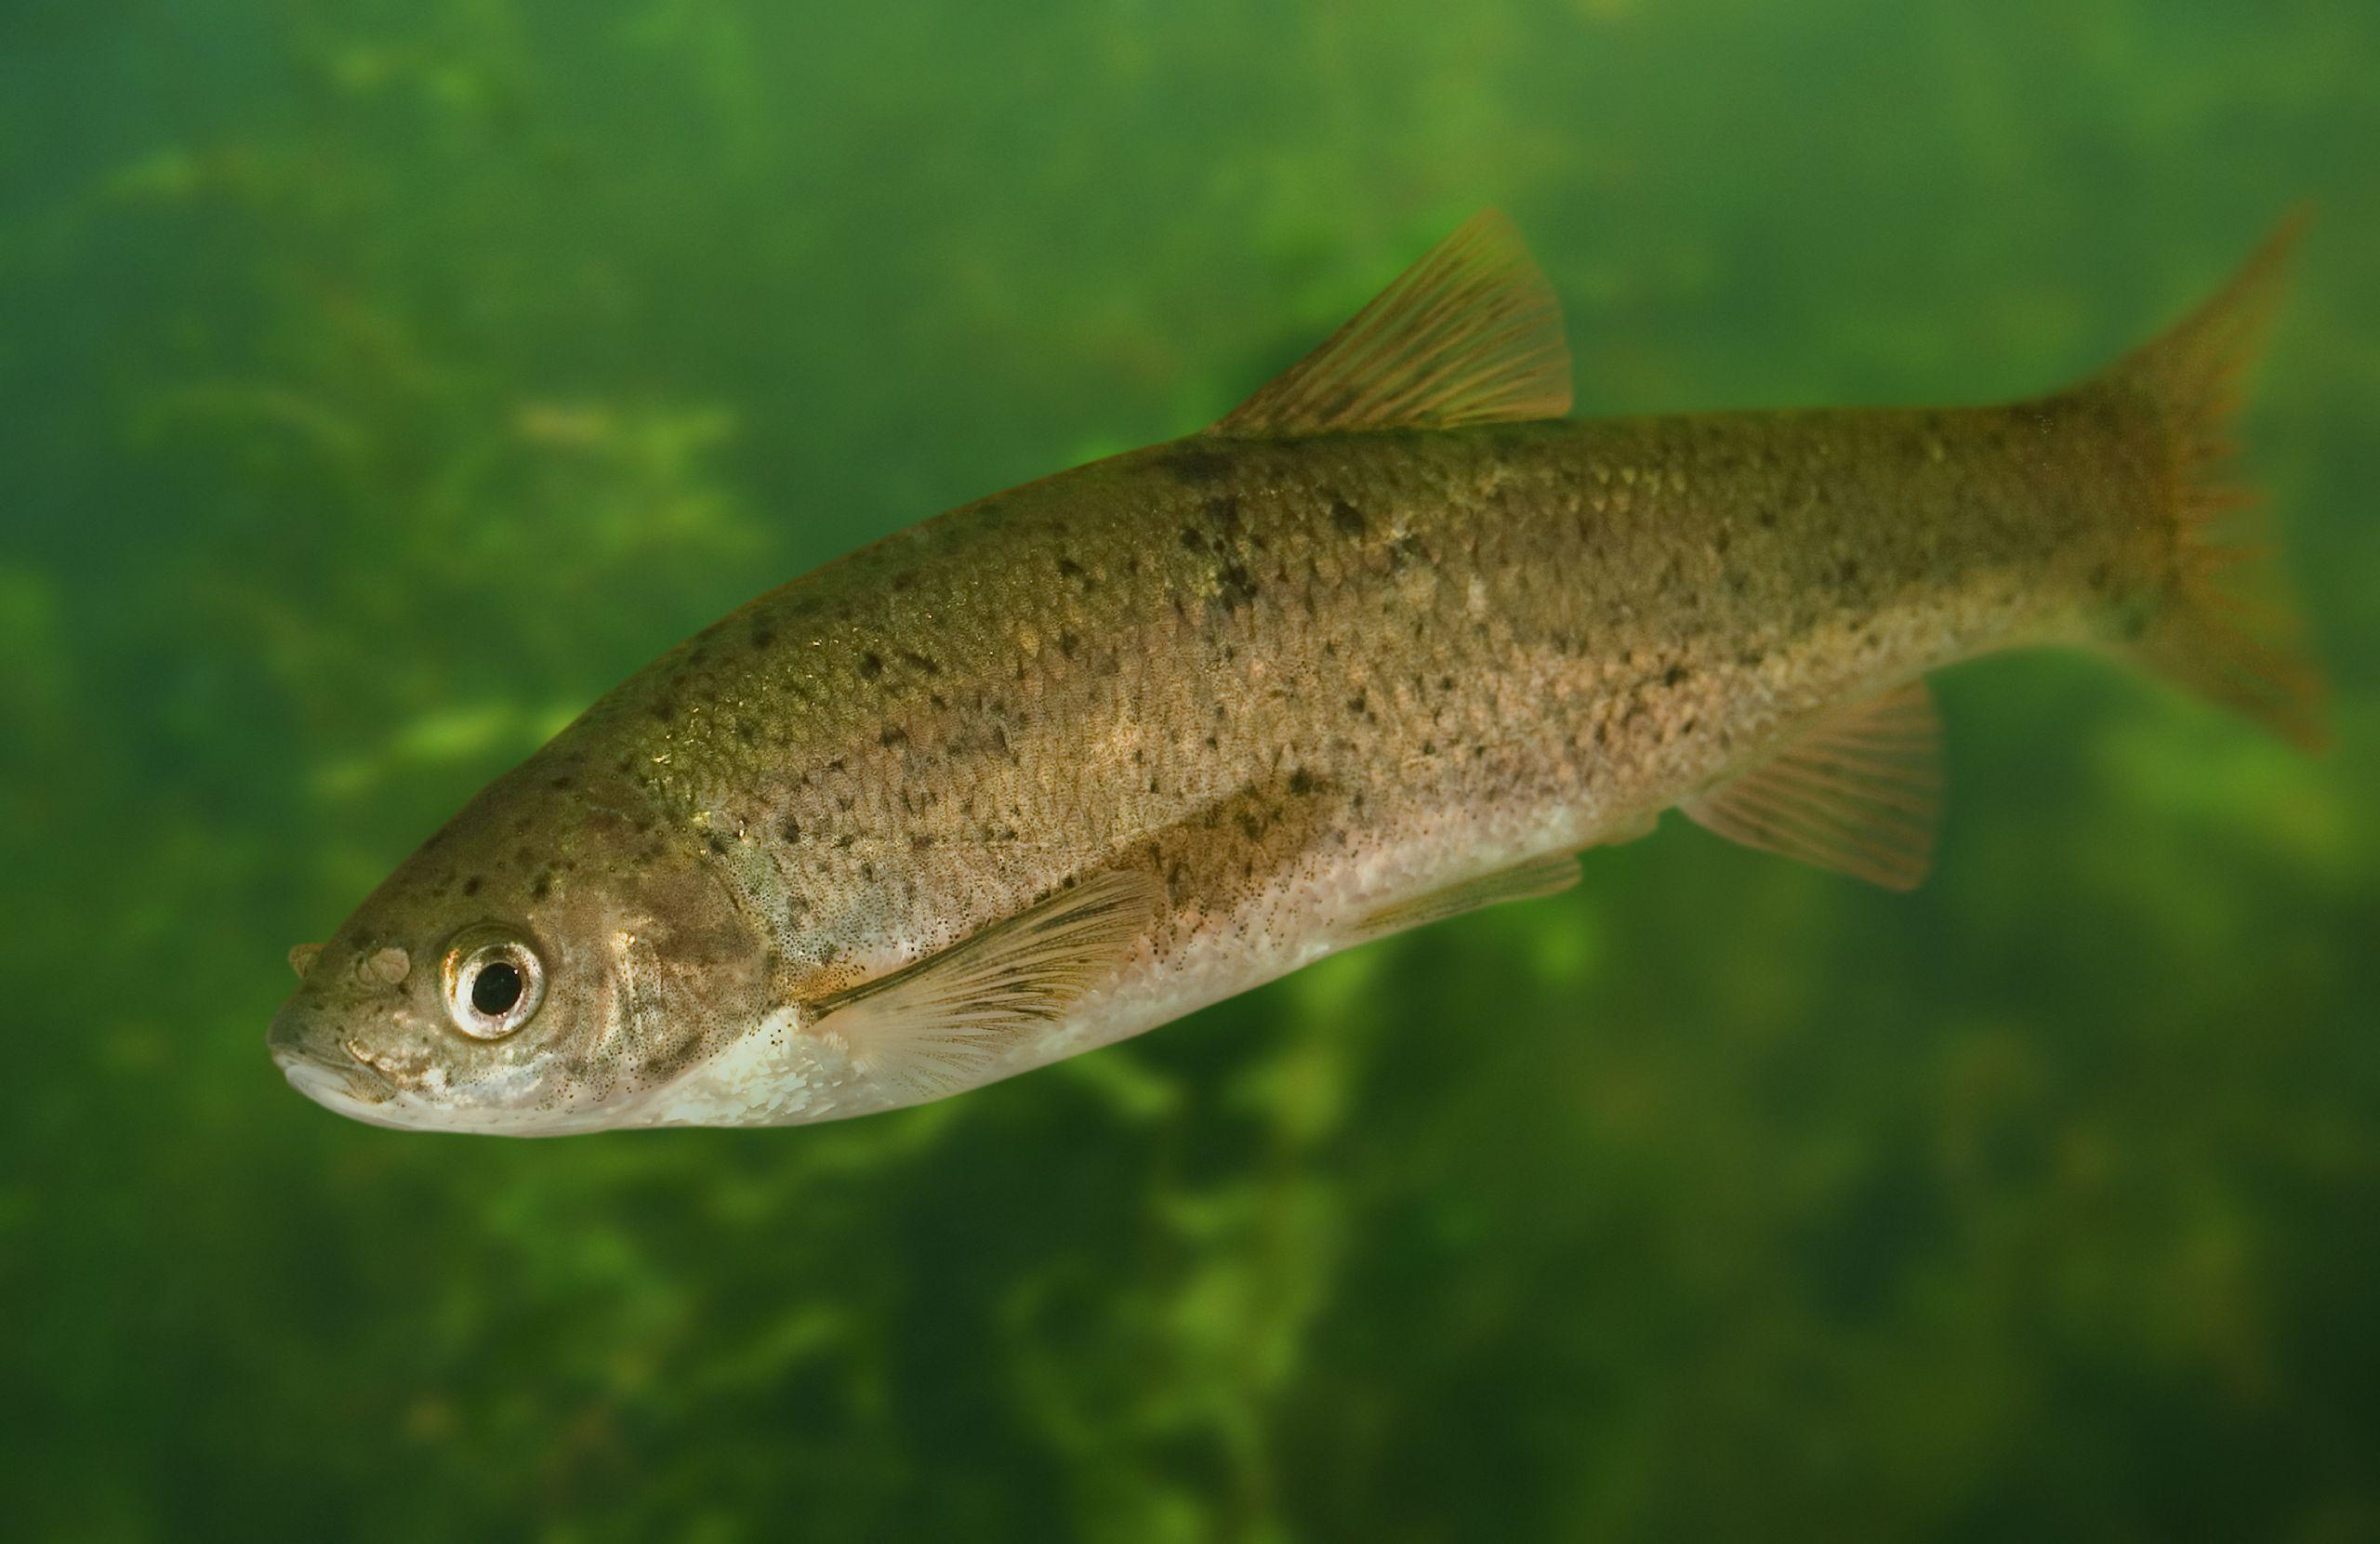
(360, 1090)
(321, 1082)
(357, 1091)
(349, 1086)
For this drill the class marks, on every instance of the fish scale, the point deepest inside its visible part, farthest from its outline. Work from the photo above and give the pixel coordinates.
(1581, 621)
(1392, 642)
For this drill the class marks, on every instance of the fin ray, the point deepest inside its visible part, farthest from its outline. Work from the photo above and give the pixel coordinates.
(932, 1026)
(1858, 794)
(1522, 881)
(2227, 630)
(1472, 334)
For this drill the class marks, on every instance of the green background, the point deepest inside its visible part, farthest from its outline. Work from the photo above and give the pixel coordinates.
(379, 382)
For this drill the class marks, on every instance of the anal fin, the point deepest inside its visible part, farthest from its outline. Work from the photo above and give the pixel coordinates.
(1523, 882)
(935, 1025)
(1860, 793)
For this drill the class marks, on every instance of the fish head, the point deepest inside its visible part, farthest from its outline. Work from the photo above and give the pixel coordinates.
(545, 964)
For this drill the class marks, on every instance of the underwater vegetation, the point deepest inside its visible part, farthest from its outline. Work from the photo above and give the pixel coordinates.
(381, 383)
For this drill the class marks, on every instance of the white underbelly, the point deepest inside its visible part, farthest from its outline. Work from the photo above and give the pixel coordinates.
(783, 1072)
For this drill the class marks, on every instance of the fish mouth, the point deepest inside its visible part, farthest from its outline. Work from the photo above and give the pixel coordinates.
(347, 1087)
(356, 1091)
(345, 1084)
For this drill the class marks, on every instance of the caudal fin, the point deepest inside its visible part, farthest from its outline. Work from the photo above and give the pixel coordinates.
(2226, 630)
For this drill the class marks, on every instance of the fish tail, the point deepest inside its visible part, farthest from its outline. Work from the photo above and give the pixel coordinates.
(2222, 627)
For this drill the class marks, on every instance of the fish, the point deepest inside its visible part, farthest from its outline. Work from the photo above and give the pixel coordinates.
(1393, 640)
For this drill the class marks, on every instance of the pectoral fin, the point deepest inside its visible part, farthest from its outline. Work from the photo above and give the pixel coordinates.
(1860, 793)
(1524, 881)
(932, 1027)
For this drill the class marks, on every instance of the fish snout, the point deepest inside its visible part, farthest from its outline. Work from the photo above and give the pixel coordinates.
(329, 1076)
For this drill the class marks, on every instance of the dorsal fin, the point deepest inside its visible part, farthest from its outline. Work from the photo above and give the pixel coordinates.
(1858, 794)
(1470, 335)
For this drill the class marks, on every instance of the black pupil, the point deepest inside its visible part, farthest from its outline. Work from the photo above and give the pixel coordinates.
(497, 988)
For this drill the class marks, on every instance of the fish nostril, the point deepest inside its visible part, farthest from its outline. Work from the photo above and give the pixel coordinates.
(384, 967)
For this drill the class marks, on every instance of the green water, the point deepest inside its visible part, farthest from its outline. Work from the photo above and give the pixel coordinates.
(380, 382)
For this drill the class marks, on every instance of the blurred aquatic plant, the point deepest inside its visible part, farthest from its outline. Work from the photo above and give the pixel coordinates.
(383, 381)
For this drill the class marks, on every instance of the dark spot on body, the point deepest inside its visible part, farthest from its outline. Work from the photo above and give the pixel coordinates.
(871, 665)
(1301, 783)
(541, 887)
(471, 885)
(1675, 675)
(716, 843)
(1346, 519)
(930, 666)
(891, 738)
(763, 637)
(1068, 643)
(789, 829)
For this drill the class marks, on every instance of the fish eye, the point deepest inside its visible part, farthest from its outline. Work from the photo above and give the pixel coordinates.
(493, 983)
